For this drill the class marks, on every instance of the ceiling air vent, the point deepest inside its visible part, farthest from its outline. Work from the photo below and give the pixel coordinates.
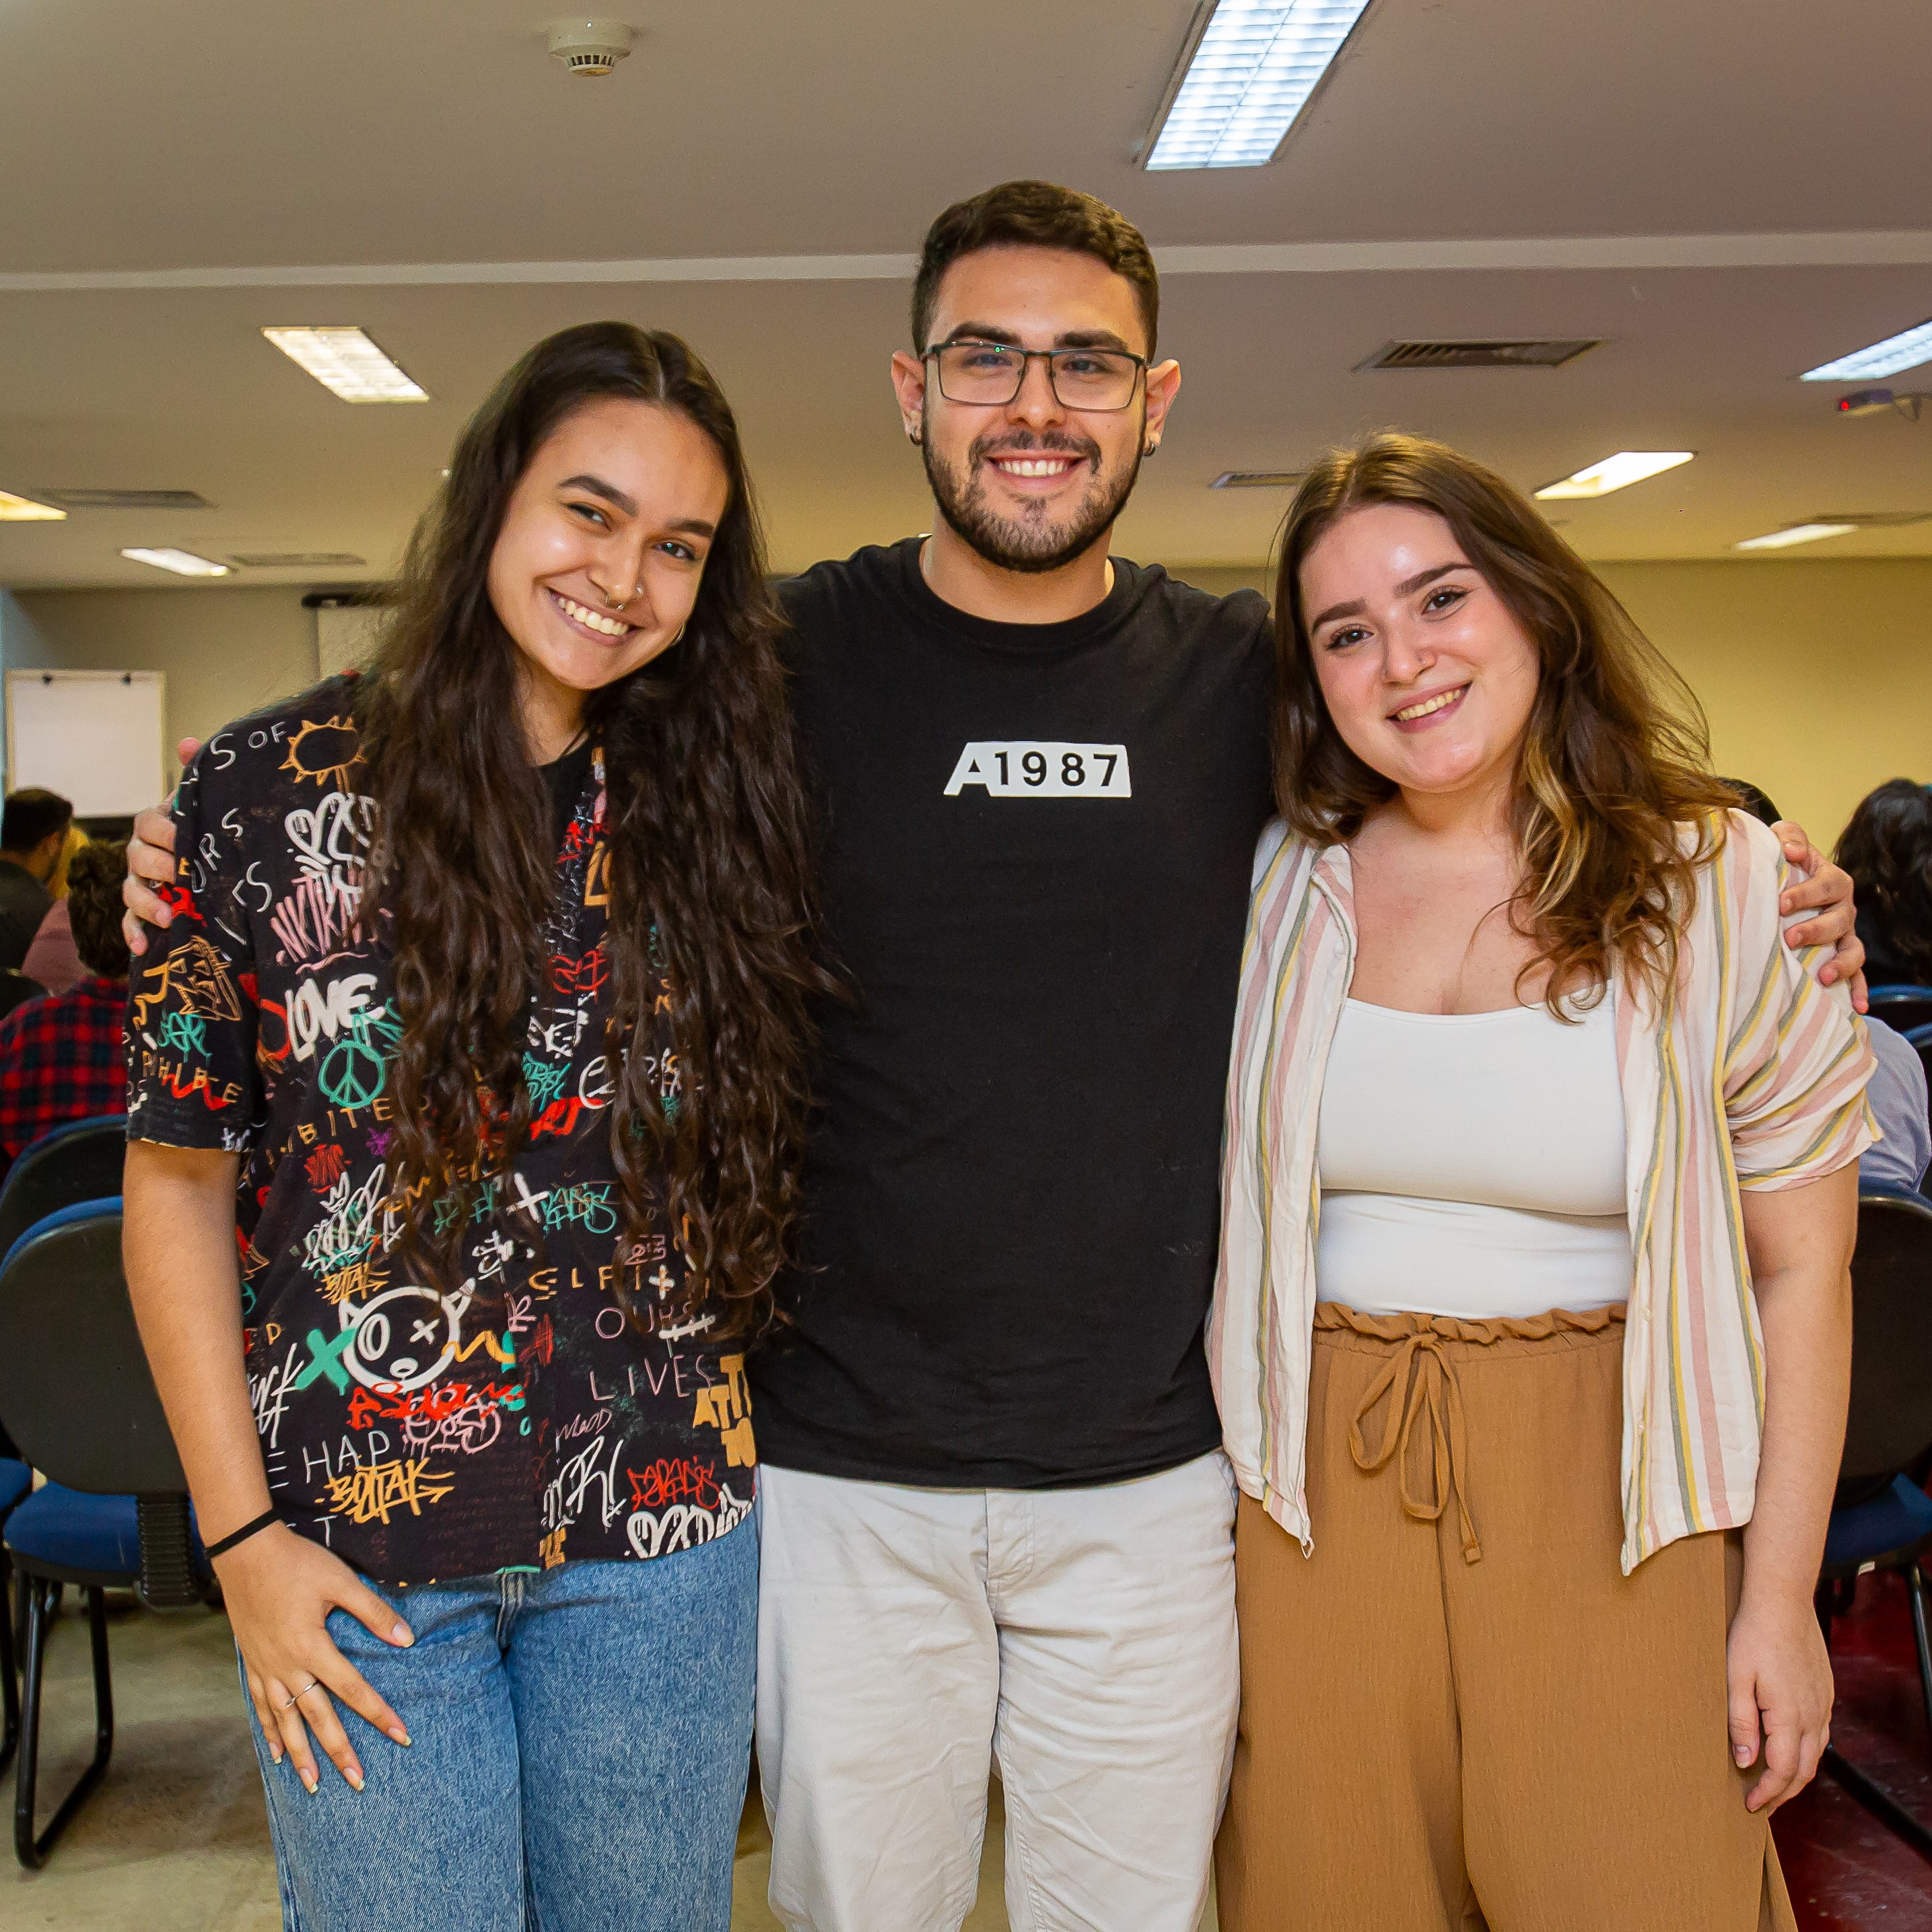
(297, 559)
(1256, 479)
(126, 499)
(1524, 355)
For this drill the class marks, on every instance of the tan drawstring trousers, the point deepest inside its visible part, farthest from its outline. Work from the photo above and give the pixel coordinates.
(1458, 1714)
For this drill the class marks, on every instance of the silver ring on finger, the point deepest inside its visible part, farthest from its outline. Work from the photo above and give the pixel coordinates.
(313, 1684)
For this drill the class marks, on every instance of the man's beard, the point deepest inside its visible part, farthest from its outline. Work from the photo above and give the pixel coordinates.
(1027, 543)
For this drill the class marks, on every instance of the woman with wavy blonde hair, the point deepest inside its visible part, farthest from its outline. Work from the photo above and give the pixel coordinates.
(1532, 1329)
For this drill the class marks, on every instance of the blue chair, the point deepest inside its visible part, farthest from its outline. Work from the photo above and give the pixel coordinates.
(1881, 1518)
(17, 1480)
(76, 1393)
(1902, 1008)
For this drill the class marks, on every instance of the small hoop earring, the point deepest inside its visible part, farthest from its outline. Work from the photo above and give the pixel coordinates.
(913, 437)
(1152, 448)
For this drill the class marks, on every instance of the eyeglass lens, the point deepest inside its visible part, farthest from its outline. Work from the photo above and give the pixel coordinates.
(990, 372)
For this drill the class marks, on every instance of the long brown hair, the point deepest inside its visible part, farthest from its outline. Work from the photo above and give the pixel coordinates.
(1615, 760)
(708, 871)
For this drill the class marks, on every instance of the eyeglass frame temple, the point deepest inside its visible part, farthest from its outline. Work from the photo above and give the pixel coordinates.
(1142, 365)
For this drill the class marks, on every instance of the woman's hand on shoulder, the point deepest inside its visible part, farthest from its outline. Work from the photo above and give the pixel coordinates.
(280, 1588)
(150, 862)
(1779, 1680)
(1828, 888)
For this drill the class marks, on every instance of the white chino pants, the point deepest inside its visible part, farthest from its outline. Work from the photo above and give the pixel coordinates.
(1084, 1637)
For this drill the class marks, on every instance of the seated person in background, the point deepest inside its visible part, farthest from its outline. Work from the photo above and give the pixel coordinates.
(33, 833)
(61, 1056)
(1898, 1103)
(1897, 1090)
(52, 959)
(1887, 848)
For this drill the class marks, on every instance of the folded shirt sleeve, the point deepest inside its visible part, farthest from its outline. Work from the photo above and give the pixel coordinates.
(194, 1021)
(1798, 1060)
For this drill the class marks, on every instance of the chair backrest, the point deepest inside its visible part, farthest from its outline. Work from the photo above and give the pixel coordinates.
(80, 1162)
(1890, 1426)
(16, 989)
(1902, 1008)
(75, 1391)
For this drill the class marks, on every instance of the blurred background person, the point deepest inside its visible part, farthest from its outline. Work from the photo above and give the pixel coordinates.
(1887, 848)
(61, 1056)
(52, 959)
(33, 834)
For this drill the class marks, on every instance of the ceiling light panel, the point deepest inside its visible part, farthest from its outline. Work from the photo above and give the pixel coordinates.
(1253, 67)
(1797, 533)
(128, 499)
(1615, 472)
(182, 562)
(345, 361)
(24, 510)
(1905, 350)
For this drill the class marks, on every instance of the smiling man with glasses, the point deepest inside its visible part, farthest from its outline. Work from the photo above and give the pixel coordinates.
(996, 1517)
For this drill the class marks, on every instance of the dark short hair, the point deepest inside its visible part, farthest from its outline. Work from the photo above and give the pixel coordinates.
(94, 906)
(1756, 802)
(32, 815)
(1035, 214)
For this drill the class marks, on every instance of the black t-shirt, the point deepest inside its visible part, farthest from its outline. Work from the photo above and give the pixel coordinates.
(1037, 846)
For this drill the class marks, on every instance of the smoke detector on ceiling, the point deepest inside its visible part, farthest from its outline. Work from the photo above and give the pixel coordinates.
(589, 47)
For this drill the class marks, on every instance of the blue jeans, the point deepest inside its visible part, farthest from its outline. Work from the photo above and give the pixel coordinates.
(581, 1738)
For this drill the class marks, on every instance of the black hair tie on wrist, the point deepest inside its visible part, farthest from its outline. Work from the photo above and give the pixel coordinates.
(242, 1535)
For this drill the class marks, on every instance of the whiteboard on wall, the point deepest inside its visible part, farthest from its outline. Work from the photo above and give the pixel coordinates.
(98, 737)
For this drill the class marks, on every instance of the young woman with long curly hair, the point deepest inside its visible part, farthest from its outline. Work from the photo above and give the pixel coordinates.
(467, 1078)
(1532, 1331)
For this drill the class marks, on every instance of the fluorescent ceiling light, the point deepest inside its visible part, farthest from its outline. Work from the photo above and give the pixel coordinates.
(182, 562)
(1797, 533)
(1252, 66)
(1905, 350)
(24, 510)
(1615, 473)
(346, 361)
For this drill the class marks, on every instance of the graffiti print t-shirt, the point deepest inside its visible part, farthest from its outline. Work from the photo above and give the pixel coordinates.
(522, 1419)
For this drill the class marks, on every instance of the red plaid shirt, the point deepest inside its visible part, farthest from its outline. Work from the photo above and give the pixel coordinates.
(62, 1058)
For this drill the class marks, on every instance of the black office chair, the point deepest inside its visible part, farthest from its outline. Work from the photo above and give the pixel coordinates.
(81, 1161)
(16, 989)
(1881, 1518)
(76, 1393)
(1902, 1008)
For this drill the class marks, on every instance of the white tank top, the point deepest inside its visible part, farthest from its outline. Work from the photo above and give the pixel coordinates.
(1473, 1164)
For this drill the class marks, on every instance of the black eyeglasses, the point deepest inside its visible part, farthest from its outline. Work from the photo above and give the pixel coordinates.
(994, 372)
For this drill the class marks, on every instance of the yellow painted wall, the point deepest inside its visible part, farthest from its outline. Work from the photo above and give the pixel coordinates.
(1816, 676)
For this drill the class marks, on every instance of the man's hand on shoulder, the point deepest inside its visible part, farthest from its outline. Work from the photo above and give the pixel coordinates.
(1826, 888)
(150, 862)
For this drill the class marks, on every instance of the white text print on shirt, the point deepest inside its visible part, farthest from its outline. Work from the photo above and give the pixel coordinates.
(1039, 768)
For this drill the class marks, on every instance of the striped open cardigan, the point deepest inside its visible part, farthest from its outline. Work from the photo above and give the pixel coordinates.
(1753, 1077)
